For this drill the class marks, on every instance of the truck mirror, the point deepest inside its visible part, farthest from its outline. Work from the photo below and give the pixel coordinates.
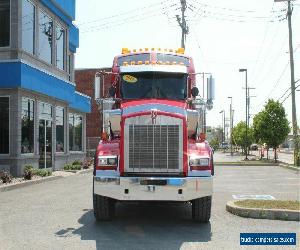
(210, 88)
(97, 85)
(195, 91)
(112, 91)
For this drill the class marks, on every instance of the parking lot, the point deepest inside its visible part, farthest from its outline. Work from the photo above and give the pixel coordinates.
(58, 215)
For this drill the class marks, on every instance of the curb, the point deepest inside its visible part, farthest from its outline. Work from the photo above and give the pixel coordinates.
(28, 183)
(284, 165)
(258, 213)
(42, 180)
(244, 164)
(84, 171)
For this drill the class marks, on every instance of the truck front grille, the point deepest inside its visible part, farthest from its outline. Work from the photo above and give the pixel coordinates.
(153, 147)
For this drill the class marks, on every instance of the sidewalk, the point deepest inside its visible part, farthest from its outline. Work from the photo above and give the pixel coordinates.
(221, 157)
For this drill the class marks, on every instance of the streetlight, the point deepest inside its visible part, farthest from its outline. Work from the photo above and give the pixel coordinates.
(245, 70)
(223, 129)
(231, 125)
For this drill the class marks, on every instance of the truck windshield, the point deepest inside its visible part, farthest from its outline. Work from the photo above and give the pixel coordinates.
(154, 85)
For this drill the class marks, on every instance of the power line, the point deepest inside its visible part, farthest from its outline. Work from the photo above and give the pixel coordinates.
(129, 19)
(289, 94)
(123, 13)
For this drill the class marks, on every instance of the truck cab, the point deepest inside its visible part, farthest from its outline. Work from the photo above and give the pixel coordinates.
(152, 147)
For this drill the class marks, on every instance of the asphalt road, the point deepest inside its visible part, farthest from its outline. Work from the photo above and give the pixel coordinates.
(58, 215)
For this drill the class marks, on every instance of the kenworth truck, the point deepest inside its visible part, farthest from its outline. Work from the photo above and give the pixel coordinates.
(152, 147)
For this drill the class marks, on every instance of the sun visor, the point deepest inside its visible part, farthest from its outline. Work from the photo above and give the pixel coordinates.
(154, 68)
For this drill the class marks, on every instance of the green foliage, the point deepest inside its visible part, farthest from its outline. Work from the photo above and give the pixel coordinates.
(214, 143)
(239, 135)
(72, 167)
(67, 166)
(28, 172)
(271, 126)
(42, 172)
(77, 162)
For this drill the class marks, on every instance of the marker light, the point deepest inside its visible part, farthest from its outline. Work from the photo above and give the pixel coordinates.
(180, 51)
(159, 49)
(132, 63)
(170, 50)
(134, 50)
(147, 62)
(125, 63)
(167, 63)
(159, 62)
(153, 62)
(139, 62)
(174, 63)
(140, 50)
(124, 50)
(146, 49)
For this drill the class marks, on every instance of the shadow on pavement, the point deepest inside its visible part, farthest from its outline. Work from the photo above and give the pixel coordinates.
(142, 226)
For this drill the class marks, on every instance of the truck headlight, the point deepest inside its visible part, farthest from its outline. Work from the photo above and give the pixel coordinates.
(110, 160)
(199, 161)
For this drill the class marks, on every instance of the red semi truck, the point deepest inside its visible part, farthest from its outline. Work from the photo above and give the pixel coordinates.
(151, 147)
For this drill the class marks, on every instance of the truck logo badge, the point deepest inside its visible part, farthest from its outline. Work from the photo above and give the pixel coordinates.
(153, 115)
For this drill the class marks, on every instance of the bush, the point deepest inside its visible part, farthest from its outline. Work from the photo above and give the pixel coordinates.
(42, 172)
(72, 167)
(5, 177)
(67, 167)
(86, 164)
(77, 162)
(28, 172)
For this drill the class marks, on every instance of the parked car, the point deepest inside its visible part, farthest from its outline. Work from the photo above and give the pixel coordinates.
(254, 146)
(224, 145)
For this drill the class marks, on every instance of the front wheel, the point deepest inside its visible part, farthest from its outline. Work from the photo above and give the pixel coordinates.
(201, 209)
(104, 207)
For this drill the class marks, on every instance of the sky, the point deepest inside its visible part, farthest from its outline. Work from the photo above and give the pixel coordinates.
(224, 36)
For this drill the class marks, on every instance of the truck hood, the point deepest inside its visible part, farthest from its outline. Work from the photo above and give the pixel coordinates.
(169, 106)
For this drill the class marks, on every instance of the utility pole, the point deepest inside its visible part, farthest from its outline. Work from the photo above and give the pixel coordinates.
(182, 23)
(249, 97)
(294, 113)
(247, 118)
(231, 125)
(294, 116)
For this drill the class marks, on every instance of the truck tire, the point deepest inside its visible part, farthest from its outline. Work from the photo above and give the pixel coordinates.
(201, 209)
(104, 207)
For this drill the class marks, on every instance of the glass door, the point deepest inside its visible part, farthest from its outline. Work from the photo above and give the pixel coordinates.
(45, 143)
(45, 135)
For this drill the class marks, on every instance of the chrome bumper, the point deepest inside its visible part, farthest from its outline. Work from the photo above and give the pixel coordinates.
(146, 188)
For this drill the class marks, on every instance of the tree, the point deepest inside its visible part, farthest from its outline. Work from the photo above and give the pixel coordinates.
(239, 136)
(271, 125)
(214, 143)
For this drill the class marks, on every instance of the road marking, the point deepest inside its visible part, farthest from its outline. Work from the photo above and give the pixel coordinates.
(253, 197)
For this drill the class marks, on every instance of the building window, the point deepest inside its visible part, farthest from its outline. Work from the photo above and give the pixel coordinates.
(70, 68)
(60, 128)
(75, 132)
(27, 145)
(4, 125)
(60, 47)
(4, 23)
(28, 25)
(45, 37)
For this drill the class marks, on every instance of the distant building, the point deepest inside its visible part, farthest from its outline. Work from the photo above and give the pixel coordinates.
(43, 117)
(84, 79)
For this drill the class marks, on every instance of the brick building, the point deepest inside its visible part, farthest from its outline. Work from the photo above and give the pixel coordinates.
(84, 79)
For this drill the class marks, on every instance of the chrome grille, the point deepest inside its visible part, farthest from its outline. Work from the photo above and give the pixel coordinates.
(153, 147)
